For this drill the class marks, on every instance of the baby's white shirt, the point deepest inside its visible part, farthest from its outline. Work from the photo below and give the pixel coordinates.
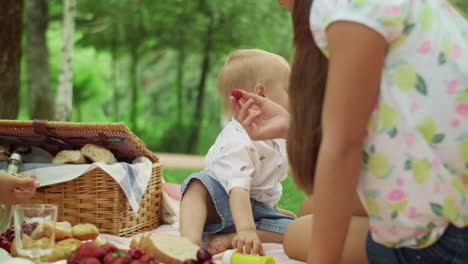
(235, 160)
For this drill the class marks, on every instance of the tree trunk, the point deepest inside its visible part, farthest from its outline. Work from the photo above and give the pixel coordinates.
(37, 61)
(134, 83)
(114, 75)
(198, 114)
(10, 57)
(180, 83)
(65, 89)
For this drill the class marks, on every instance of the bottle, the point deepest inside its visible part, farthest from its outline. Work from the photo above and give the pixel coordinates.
(233, 257)
(14, 163)
(6, 211)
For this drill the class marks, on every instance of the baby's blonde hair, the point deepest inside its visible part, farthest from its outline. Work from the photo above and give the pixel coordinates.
(245, 68)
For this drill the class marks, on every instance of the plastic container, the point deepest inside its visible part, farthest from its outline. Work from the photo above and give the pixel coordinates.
(234, 257)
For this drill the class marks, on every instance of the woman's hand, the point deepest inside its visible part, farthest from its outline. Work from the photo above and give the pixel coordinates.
(249, 241)
(268, 121)
(15, 189)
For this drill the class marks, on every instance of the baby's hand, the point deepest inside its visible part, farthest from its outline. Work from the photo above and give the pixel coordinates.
(286, 212)
(249, 241)
(15, 189)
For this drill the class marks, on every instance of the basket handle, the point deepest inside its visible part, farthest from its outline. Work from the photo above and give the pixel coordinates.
(40, 127)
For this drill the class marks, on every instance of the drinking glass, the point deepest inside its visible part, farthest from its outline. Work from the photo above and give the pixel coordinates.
(35, 229)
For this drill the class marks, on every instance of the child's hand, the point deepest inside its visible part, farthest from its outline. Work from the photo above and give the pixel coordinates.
(15, 189)
(286, 212)
(248, 240)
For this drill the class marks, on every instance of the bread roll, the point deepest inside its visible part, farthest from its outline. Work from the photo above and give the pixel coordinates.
(85, 232)
(69, 156)
(166, 248)
(61, 250)
(97, 153)
(63, 230)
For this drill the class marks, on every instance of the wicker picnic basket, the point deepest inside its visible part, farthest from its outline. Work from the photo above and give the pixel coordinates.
(95, 197)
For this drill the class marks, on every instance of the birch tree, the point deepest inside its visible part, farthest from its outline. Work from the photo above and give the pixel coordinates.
(65, 88)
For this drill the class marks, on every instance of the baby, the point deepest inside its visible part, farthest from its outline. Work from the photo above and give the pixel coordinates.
(234, 199)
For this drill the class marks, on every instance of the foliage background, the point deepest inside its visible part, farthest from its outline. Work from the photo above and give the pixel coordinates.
(169, 38)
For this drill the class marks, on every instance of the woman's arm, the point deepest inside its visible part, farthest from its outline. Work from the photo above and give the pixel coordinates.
(356, 60)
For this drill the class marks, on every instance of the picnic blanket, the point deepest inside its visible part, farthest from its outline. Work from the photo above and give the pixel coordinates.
(271, 249)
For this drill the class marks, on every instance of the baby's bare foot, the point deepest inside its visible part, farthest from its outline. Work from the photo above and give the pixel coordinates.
(218, 243)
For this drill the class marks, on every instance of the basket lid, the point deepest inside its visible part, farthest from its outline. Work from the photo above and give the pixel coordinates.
(56, 136)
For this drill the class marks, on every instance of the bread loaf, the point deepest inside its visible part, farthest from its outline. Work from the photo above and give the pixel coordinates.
(85, 232)
(69, 156)
(63, 230)
(97, 153)
(166, 248)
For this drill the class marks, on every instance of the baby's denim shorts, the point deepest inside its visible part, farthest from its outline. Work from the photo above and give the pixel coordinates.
(451, 248)
(265, 217)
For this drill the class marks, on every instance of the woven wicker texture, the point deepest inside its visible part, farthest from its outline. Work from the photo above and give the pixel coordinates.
(95, 197)
(78, 134)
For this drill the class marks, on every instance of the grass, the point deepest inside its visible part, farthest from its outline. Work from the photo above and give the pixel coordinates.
(291, 199)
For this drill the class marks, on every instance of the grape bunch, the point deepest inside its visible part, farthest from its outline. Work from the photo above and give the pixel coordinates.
(203, 257)
(28, 228)
(6, 238)
(90, 253)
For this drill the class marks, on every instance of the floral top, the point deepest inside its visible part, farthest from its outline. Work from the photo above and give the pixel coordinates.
(235, 160)
(415, 164)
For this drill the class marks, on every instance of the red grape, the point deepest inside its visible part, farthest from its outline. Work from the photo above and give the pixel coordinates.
(109, 248)
(136, 253)
(203, 255)
(191, 261)
(73, 259)
(210, 261)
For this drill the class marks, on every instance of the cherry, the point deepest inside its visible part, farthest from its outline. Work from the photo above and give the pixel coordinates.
(237, 94)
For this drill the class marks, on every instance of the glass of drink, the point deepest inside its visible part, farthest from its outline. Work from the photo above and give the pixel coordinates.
(35, 229)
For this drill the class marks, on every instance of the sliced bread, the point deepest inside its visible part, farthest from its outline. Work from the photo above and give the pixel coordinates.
(69, 156)
(167, 248)
(97, 153)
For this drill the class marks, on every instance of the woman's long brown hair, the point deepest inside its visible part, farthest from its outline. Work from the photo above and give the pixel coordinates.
(307, 90)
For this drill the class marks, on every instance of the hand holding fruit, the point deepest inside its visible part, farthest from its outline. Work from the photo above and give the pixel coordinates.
(268, 121)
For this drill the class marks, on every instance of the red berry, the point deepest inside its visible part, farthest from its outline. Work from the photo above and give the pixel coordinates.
(121, 260)
(237, 94)
(108, 259)
(136, 262)
(90, 250)
(203, 254)
(191, 261)
(73, 259)
(91, 261)
(146, 258)
(136, 253)
(109, 248)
